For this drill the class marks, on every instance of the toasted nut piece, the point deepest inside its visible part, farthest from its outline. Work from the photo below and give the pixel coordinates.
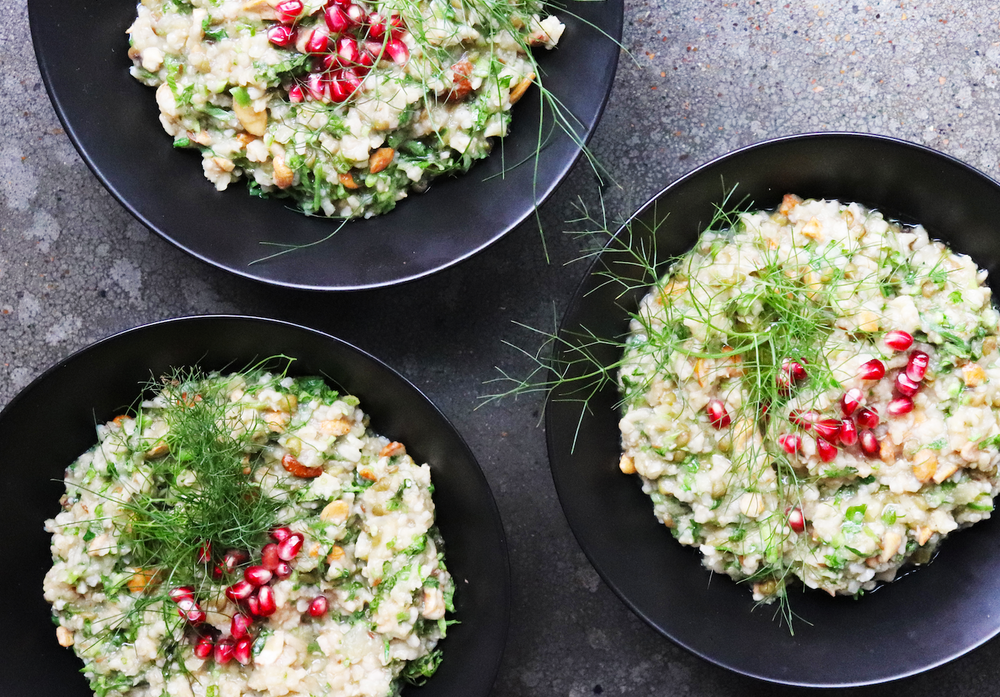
(890, 545)
(277, 421)
(789, 202)
(133, 52)
(297, 469)
(887, 450)
(813, 230)
(165, 100)
(336, 553)
(973, 374)
(64, 636)
(669, 522)
(989, 345)
(521, 88)
(283, 174)
(336, 427)
(245, 138)
(765, 587)
(626, 465)
(159, 449)
(224, 163)
(255, 122)
(945, 471)
(366, 473)
(335, 512)
(393, 448)
(262, 8)
(143, 579)
(348, 181)
(201, 138)
(867, 321)
(380, 159)
(923, 534)
(675, 287)
(924, 465)
(433, 605)
(751, 504)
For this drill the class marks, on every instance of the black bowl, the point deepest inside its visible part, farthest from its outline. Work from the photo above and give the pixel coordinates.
(922, 620)
(52, 422)
(112, 120)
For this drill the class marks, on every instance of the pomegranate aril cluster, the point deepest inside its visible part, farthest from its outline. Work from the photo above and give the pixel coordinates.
(345, 45)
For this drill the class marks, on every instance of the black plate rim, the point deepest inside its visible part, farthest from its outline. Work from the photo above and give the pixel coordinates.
(493, 669)
(613, 33)
(571, 310)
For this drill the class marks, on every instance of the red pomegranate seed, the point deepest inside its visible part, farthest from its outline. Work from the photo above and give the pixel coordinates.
(281, 35)
(848, 432)
(396, 22)
(269, 556)
(906, 386)
(257, 575)
(356, 13)
(280, 534)
(217, 571)
(350, 79)
(397, 51)
(191, 611)
(203, 647)
(223, 652)
(337, 20)
(240, 625)
(338, 91)
(315, 86)
(900, 406)
(376, 26)
(241, 590)
(347, 49)
(827, 428)
(804, 419)
(851, 401)
(253, 605)
(365, 59)
(717, 414)
(318, 41)
(181, 593)
(790, 442)
(796, 521)
(797, 371)
(242, 650)
(373, 49)
(233, 558)
(265, 600)
(916, 367)
(826, 450)
(295, 94)
(289, 10)
(867, 417)
(318, 606)
(869, 443)
(289, 548)
(283, 570)
(205, 552)
(872, 370)
(898, 340)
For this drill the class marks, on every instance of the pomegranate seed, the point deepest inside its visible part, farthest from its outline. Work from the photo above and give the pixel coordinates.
(241, 652)
(828, 428)
(796, 371)
(337, 20)
(181, 593)
(315, 87)
(867, 417)
(397, 27)
(376, 26)
(338, 91)
(289, 10)
(265, 600)
(900, 406)
(205, 552)
(373, 49)
(295, 94)
(790, 442)
(217, 572)
(365, 59)
(203, 647)
(318, 606)
(191, 611)
(269, 556)
(283, 570)
(906, 386)
(351, 80)
(289, 548)
(318, 41)
(233, 558)
(848, 432)
(803, 419)
(347, 49)
(898, 340)
(717, 414)
(826, 450)
(916, 367)
(872, 370)
(398, 51)
(869, 443)
(796, 521)
(851, 401)
(257, 575)
(356, 13)
(240, 625)
(280, 534)
(241, 590)
(223, 652)
(253, 605)
(281, 35)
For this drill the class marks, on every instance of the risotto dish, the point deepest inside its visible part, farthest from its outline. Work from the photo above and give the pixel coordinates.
(248, 535)
(812, 395)
(342, 106)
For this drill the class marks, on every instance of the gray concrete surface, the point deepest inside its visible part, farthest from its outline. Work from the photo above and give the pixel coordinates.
(704, 78)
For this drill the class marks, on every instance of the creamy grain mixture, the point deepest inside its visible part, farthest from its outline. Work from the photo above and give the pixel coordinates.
(813, 394)
(343, 107)
(178, 508)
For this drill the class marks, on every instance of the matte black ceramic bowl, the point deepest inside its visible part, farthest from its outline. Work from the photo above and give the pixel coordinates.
(113, 121)
(52, 422)
(924, 619)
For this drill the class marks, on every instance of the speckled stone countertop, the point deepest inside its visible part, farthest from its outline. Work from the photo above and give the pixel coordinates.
(704, 77)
